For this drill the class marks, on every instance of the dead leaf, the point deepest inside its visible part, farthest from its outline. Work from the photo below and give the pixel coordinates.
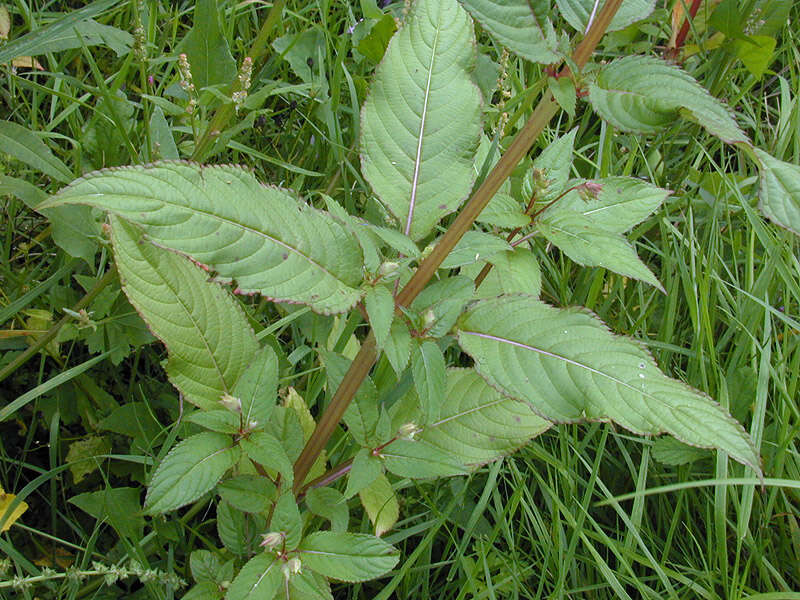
(5, 502)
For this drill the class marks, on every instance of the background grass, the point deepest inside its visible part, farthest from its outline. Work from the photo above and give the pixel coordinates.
(544, 523)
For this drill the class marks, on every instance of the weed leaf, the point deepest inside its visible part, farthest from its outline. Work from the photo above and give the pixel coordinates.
(260, 578)
(780, 191)
(579, 12)
(416, 156)
(569, 367)
(347, 556)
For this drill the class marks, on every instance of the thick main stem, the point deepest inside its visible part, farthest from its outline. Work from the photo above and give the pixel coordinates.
(366, 357)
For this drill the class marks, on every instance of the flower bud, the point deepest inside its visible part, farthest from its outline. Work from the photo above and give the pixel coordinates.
(232, 403)
(387, 268)
(408, 431)
(272, 540)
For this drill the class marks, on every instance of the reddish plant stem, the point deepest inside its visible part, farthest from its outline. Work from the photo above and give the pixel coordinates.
(361, 365)
(684, 31)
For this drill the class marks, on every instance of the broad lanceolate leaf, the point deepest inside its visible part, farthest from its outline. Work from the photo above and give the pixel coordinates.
(580, 13)
(591, 246)
(645, 94)
(379, 303)
(259, 579)
(421, 123)
(512, 272)
(347, 556)
(477, 424)
(380, 503)
(621, 203)
(206, 47)
(209, 340)
(420, 460)
(262, 237)
(430, 376)
(257, 388)
(24, 145)
(780, 191)
(190, 470)
(569, 367)
(522, 25)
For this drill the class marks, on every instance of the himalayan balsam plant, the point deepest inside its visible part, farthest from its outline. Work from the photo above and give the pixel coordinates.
(471, 364)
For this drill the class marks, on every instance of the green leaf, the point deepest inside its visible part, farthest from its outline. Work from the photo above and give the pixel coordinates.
(74, 229)
(297, 403)
(379, 303)
(221, 421)
(513, 272)
(591, 246)
(728, 19)
(257, 387)
(622, 203)
(373, 45)
(504, 211)
(347, 556)
(441, 302)
(361, 417)
(190, 470)
(259, 579)
(398, 346)
(430, 376)
(250, 493)
(286, 519)
(27, 147)
(267, 451)
(756, 53)
(554, 165)
(297, 48)
(416, 156)
(670, 451)
(207, 567)
(477, 423)
(578, 12)
(420, 460)
(563, 90)
(400, 242)
(240, 532)
(521, 25)
(380, 503)
(31, 43)
(474, 246)
(161, 136)
(644, 94)
(309, 586)
(203, 591)
(329, 504)
(81, 452)
(206, 48)
(779, 193)
(365, 469)
(569, 367)
(119, 506)
(206, 334)
(262, 237)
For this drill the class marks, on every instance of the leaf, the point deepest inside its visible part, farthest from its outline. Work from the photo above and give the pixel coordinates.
(347, 556)
(416, 156)
(756, 53)
(441, 303)
(87, 33)
(379, 303)
(644, 94)
(259, 579)
(569, 367)
(207, 567)
(373, 46)
(504, 211)
(221, 421)
(27, 147)
(563, 90)
(779, 193)
(590, 246)
(554, 165)
(7, 519)
(329, 504)
(257, 387)
(477, 423)
(513, 272)
(380, 503)
(622, 203)
(578, 12)
(222, 217)
(398, 346)
(365, 469)
(119, 506)
(297, 48)
(190, 470)
(670, 451)
(295, 402)
(287, 520)
(308, 586)
(163, 144)
(267, 450)
(82, 455)
(5, 22)
(74, 229)
(30, 44)
(430, 376)
(206, 334)
(249, 493)
(361, 416)
(420, 460)
(239, 532)
(473, 246)
(521, 25)
(206, 48)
